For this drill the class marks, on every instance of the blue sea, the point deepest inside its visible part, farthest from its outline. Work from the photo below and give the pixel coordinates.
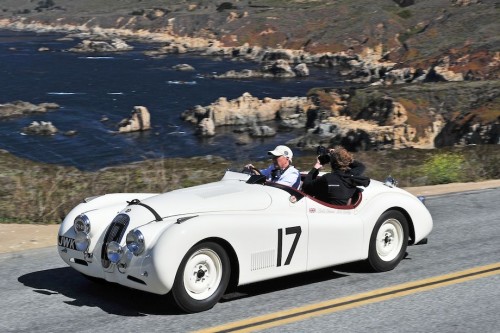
(89, 87)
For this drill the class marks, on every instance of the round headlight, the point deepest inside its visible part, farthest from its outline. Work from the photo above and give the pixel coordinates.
(82, 241)
(82, 223)
(114, 252)
(135, 242)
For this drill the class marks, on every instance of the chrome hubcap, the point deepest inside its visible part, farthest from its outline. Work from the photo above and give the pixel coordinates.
(389, 239)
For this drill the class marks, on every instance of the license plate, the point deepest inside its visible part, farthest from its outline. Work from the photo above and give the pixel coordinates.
(67, 242)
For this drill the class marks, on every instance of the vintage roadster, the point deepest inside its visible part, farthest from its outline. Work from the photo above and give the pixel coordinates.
(195, 243)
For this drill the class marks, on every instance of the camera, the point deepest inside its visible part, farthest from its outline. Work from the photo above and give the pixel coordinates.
(323, 155)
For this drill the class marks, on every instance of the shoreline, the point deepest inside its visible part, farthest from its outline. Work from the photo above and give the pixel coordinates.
(21, 237)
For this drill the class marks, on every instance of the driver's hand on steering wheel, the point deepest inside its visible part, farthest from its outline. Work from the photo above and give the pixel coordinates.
(252, 168)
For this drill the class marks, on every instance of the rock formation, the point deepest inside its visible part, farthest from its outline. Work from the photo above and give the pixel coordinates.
(140, 120)
(427, 116)
(20, 108)
(90, 46)
(365, 119)
(183, 67)
(40, 128)
(276, 69)
(246, 110)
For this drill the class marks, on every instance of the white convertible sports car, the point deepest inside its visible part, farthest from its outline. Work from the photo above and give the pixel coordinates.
(196, 242)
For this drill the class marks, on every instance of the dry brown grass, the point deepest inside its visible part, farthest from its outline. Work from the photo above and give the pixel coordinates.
(42, 193)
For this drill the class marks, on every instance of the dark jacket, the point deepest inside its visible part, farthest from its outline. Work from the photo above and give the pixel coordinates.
(335, 187)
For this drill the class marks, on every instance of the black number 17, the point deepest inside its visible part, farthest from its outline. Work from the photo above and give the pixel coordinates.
(292, 230)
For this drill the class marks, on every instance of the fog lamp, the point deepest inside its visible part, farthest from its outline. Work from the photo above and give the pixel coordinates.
(114, 252)
(135, 242)
(82, 241)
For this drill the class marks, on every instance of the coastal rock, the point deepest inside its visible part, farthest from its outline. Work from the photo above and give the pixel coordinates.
(261, 131)
(90, 46)
(140, 120)
(20, 108)
(301, 70)
(383, 118)
(171, 47)
(247, 110)
(70, 133)
(206, 127)
(183, 67)
(277, 69)
(442, 72)
(40, 128)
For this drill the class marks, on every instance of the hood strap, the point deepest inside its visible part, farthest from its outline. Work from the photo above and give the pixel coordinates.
(137, 202)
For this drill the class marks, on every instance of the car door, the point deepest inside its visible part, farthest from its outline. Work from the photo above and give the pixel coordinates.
(335, 235)
(273, 243)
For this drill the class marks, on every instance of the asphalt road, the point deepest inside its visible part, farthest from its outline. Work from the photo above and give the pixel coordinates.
(39, 293)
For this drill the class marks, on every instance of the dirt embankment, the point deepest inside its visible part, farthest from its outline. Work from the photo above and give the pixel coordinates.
(19, 237)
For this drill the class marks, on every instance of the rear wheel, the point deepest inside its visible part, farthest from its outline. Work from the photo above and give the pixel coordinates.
(388, 241)
(202, 277)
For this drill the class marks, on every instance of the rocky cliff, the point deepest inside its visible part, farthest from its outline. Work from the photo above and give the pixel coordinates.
(397, 47)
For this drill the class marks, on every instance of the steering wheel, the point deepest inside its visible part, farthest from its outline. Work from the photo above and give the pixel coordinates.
(250, 170)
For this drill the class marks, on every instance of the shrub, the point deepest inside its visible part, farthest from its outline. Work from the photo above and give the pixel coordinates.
(444, 168)
(405, 14)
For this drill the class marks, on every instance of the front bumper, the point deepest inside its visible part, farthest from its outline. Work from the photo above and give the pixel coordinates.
(135, 272)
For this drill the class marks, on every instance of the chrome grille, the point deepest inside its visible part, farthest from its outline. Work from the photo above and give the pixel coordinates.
(115, 233)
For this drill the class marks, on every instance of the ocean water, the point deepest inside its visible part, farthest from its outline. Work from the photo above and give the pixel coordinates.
(89, 87)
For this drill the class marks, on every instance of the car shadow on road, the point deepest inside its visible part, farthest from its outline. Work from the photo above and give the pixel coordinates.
(282, 283)
(297, 280)
(111, 298)
(119, 300)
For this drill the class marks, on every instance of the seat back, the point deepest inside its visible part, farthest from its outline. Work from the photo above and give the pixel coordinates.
(356, 198)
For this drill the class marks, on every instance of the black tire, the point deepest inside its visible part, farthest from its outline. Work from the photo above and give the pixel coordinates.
(202, 278)
(388, 241)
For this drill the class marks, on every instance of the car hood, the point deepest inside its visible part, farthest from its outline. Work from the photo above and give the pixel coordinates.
(222, 196)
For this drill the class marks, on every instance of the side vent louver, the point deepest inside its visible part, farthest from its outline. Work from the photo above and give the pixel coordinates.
(263, 259)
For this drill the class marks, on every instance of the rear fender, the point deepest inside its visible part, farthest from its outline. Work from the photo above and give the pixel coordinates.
(419, 218)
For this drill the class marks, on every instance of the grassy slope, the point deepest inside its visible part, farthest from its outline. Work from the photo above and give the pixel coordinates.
(42, 193)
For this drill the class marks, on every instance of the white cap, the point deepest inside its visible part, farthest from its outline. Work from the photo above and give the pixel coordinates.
(281, 151)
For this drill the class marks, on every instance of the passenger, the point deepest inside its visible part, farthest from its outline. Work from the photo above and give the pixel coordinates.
(338, 186)
(281, 171)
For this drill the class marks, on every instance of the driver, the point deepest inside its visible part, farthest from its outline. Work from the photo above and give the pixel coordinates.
(281, 171)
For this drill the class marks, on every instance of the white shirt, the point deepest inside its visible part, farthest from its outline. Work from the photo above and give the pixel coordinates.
(289, 177)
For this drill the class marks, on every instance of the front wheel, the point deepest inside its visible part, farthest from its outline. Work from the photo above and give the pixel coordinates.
(202, 277)
(388, 241)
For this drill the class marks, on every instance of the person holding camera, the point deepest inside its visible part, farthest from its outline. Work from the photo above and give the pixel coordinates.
(281, 171)
(339, 185)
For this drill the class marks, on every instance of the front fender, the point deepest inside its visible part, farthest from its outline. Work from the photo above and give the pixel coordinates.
(171, 247)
